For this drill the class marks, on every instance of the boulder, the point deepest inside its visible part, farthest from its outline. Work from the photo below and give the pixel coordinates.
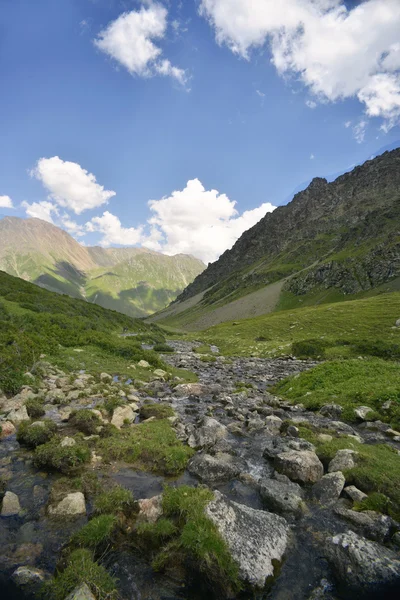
(276, 445)
(328, 489)
(364, 566)
(343, 459)
(72, 505)
(373, 525)
(6, 429)
(221, 467)
(28, 576)
(122, 415)
(67, 442)
(160, 373)
(207, 434)
(10, 506)
(282, 496)
(19, 415)
(303, 466)
(144, 364)
(257, 540)
(81, 592)
(150, 509)
(362, 412)
(332, 411)
(105, 378)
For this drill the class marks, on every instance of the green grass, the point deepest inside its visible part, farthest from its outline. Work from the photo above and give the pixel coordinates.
(85, 421)
(35, 408)
(159, 411)
(116, 500)
(341, 326)
(96, 532)
(69, 459)
(33, 435)
(151, 446)
(349, 383)
(81, 568)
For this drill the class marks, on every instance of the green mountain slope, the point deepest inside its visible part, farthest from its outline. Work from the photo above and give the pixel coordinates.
(333, 241)
(134, 281)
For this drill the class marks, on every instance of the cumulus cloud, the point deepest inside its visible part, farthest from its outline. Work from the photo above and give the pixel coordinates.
(311, 104)
(198, 221)
(113, 232)
(40, 210)
(72, 227)
(129, 40)
(69, 185)
(337, 52)
(6, 202)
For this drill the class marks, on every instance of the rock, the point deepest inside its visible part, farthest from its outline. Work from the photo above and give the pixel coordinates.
(105, 378)
(332, 411)
(364, 566)
(343, 459)
(303, 466)
(292, 431)
(144, 364)
(281, 496)
(71, 505)
(373, 525)
(191, 389)
(121, 415)
(328, 489)
(362, 412)
(324, 438)
(207, 434)
(67, 442)
(17, 416)
(28, 576)
(150, 509)
(273, 423)
(64, 414)
(6, 429)
(257, 540)
(396, 539)
(159, 373)
(10, 506)
(276, 445)
(221, 467)
(81, 592)
(354, 493)
(398, 323)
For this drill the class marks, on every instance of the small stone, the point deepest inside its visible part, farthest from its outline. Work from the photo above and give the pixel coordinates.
(328, 489)
(150, 509)
(362, 412)
(292, 431)
(398, 323)
(67, 442)
(191, 389)
(6, 429)
(122, 415)
(28, 576)
(144, 364)
(324, 438)
(160, 373)
(207, 434)
(354, 493)
(105, 378)
(343, 459)
(81, 592)
(10, 506)
(71, 505)
(303, 466)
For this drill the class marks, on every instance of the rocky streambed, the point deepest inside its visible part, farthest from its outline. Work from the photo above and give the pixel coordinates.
(285, 513)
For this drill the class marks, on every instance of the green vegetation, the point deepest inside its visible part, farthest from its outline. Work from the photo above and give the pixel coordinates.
(156, 533)
(379, 503)
(116, 500)
(149, 446)
(35, 408)
(96, 532)
(35, 434)
(346, 329)
(34, 321)
(159, 411)
(350, 383)
(86, 421)
(164, 348)
(81, 568)
(54, 457)
(189, 534)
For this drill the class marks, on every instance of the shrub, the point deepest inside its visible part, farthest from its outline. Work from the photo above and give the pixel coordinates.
(309, 349)
(159, 411)
(35, 408)
(85, 421)
(96, 532)
(35, 434)
(81, 568)
(164, 348)
(67, 459)
(116, 500)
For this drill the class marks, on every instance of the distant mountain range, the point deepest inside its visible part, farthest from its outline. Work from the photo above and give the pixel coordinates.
(134, 281)
(332, 241)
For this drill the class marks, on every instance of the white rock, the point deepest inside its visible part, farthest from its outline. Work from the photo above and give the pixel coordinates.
(362, 412)
(150, 509)
(73, 504)
(17, 416)
(144, 364)
(10, 505)
(160, 373)
(354, 493)
(27, 576)
(67, 442)
(303, 466)
(105, 377)
(121, 415)
(81, 592)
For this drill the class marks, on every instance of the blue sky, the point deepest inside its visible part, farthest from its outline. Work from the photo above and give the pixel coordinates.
(136, 99)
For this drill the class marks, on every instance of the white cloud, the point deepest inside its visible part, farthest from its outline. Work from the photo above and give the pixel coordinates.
(359, 131)
(129, 41)
(337, 52)
(311, 104)
(6, 202)
(70, 185)
(113, 231)
(199, 222)
(261, 94)
(347, 124)
(72, 227)
(312, 156)
(40, 210)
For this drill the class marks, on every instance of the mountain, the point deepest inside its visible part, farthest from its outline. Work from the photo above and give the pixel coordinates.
(332, 241)
(134, 281)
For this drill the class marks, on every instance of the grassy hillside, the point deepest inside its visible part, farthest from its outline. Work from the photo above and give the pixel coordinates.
(34, 321)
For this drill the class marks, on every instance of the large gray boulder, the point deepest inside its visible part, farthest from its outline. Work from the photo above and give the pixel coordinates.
(221, 467)
(257, 539)
(281, 495)
(343, 459)
(364, 566)
(328, 489)
(209, 432)
(303, 466)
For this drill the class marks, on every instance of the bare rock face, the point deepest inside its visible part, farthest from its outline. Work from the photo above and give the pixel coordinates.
(364, 566)
(72, 505)
(303, 466)
(255, 538)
